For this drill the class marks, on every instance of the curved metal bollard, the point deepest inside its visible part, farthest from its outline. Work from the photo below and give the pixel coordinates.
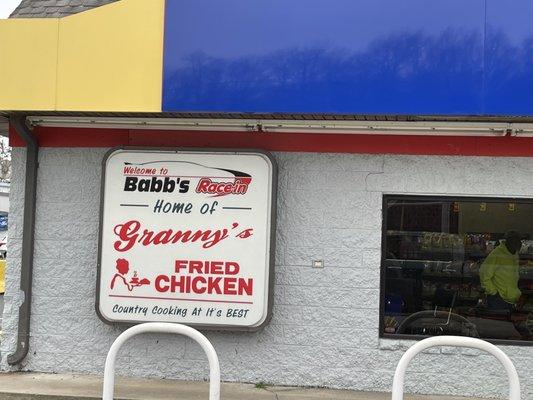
(456, 341)
(161, 327)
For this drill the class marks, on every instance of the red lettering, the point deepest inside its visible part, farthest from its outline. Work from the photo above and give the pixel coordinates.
(195, 266)
(203, 285)
(162, 237)
(206, 185)
(202, 185)
(182, 282)
(146, 237)
(158, 286)
(179, 265)
(210, 238)
(213, 285)
(246, 286)
(207, 267)
(127, 234)
(232, 268)
(229, 286)
(139, 171)
(216, 267)
(195, 288)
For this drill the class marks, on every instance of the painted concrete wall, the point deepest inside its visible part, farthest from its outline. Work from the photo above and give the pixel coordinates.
(324, 330)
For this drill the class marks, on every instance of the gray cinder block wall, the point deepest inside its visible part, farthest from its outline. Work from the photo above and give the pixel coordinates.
(324, 330)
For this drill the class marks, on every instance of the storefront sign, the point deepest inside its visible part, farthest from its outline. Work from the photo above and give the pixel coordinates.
(186, 236)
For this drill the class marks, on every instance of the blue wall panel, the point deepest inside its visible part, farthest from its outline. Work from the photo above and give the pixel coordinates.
(345, 56)
(509, 58)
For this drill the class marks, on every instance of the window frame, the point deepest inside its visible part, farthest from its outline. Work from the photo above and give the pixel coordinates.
(451, 198)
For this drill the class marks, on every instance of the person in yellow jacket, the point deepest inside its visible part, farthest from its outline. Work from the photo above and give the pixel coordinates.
(499, 274)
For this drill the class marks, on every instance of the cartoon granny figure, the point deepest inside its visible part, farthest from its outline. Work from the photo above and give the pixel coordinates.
(123, 267)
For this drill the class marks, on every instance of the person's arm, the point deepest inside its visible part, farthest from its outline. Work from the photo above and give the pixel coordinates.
(113, 281)
(130, 287)
(486, 272)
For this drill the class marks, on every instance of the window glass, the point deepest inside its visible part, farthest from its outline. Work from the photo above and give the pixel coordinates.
(458, 266)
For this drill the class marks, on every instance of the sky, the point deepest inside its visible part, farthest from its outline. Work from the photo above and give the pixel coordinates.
(7, 6)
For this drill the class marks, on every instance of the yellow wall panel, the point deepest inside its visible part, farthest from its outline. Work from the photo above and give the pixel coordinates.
(28, 59)
(111, 58)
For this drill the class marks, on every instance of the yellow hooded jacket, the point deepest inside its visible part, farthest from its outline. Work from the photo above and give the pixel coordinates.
(499, 274)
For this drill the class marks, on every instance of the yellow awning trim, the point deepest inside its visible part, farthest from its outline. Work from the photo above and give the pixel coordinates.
(107, 59)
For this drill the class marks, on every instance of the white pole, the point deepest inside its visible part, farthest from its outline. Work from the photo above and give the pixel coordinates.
(161, 327)
(457, 341)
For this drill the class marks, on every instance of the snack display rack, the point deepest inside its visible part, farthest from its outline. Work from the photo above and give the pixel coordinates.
(436, 271)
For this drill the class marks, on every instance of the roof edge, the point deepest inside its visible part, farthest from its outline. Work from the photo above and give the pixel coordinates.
(55, 9)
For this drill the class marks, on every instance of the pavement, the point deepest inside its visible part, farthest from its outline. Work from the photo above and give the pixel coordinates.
(33, 386)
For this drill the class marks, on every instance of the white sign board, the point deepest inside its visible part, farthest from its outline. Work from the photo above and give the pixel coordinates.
(186, 236)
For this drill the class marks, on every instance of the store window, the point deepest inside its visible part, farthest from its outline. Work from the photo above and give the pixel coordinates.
(457, 266)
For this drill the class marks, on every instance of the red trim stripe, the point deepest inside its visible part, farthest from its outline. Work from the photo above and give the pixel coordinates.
(291, 142)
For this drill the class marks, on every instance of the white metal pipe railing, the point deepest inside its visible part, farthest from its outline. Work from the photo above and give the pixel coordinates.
(161, 327)
(456, 341)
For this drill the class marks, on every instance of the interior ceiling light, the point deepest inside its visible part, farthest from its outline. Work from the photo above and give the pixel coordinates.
(292, 126)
